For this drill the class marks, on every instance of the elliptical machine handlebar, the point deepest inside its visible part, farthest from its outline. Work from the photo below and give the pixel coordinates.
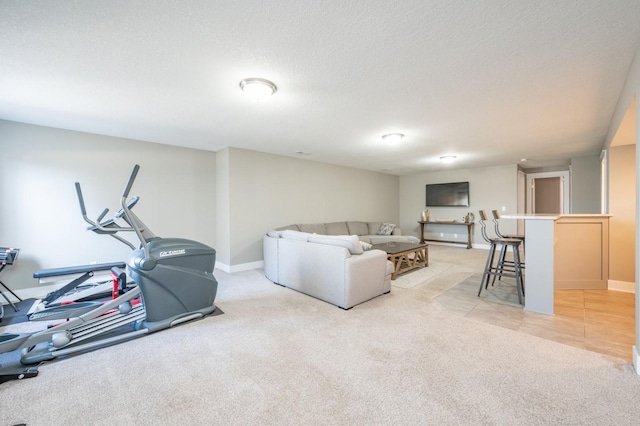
(141, 230)
(109, 226)
(132, 178)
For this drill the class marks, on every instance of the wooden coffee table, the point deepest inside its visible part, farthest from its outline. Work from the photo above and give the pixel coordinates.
(405, 256)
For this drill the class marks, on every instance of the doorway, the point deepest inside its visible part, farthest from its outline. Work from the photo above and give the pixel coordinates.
(548, 193)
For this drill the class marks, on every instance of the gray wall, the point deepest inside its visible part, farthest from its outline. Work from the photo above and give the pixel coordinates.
(490, 188)
(223, 232)
(585, 185)
(265, 191)
(227, 199)
(39, 210)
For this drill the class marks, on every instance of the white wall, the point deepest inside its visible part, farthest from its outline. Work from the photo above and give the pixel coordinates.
(489, 188)
(39, 211)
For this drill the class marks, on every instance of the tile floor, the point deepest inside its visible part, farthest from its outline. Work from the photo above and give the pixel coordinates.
(598, 320)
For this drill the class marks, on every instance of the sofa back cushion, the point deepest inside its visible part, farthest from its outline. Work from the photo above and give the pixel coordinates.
(373, 227)
(350, 242)
(358, 228)
(295, 235)
(291, 227)
(336, 228)
(312, 228)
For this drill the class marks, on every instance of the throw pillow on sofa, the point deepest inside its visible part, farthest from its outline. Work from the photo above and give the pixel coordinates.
(386, 228)
(365, 246)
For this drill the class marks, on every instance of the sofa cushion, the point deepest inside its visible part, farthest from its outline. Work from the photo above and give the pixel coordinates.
(386, 229)
(275, 234)
(373, 227)
(381, 239)
(357, 228)
(336, 228)
(291, 227)
(350, 242)
(313, 228)
(295, 235)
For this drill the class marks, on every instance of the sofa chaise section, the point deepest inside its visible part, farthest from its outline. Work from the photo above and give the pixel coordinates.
(331, 268)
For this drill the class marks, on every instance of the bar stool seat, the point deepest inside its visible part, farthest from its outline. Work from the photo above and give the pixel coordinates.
(496, 218)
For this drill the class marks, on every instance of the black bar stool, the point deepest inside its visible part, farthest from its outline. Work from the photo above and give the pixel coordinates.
(502, 268)
(502, 259)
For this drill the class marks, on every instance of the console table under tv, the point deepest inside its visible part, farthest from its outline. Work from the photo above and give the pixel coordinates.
(469, 225)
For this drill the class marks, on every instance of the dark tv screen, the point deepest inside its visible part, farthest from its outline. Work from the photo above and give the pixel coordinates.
(455, 194)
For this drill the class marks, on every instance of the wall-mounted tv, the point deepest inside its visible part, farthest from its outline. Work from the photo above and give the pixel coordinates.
(455, 194)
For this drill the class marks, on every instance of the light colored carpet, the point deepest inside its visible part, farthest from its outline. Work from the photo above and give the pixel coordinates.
(421, 275)
(278, 357)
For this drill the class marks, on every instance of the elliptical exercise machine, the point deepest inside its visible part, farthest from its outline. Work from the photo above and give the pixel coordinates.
(77, 296)
(175, 284)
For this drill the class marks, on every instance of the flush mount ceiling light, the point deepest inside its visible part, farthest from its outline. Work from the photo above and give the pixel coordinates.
(392, 137)
(447, 158)
(258, 89)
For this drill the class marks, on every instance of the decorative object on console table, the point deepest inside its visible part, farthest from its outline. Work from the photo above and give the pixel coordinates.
(425, 215)
(469, 225)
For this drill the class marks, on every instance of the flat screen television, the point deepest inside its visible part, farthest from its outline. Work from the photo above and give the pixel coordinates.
(455, 194)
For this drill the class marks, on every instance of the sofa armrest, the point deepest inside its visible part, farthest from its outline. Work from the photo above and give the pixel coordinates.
(365, 277)
(314, 269)
(270, 256)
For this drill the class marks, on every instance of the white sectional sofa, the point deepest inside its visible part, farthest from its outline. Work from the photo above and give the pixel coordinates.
(333, 268)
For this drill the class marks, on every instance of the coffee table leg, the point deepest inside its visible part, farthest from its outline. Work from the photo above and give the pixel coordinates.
(413, 260)
(396, 266)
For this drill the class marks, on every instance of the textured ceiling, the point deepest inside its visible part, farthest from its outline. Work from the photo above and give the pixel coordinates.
(489, 81)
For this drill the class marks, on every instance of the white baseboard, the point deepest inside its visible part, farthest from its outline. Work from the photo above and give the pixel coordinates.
(636, 359)
(623, 286)
(231, 269)
(481, 246)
